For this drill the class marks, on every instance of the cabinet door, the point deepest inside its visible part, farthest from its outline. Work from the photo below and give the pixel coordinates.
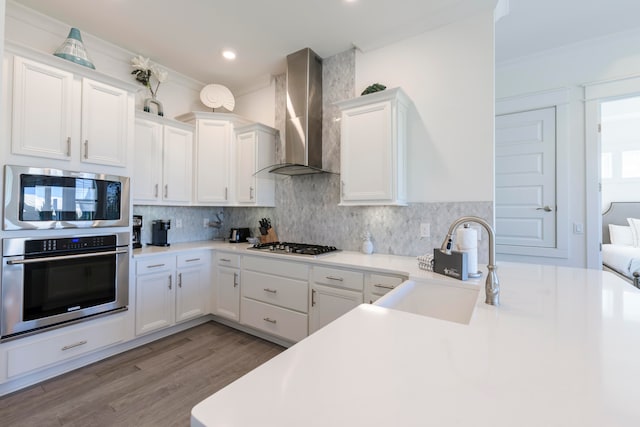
(213, 161)
(367, 154)
(147, 173)
(177, 170)
(228, 293)
(154, 301)
(191, 294)
(327, 304)
(42, 110)
(104, 124)
(246, 167)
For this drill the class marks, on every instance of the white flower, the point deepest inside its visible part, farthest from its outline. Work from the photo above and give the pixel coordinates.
(159, 73)
(140, 63)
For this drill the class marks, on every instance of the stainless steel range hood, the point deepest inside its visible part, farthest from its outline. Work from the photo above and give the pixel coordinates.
(303, 127)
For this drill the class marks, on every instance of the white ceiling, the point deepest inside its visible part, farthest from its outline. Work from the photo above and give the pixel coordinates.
(189, 35)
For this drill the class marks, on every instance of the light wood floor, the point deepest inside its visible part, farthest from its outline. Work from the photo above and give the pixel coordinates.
(153, 385)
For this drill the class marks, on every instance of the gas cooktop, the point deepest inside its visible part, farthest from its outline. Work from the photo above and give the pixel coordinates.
(294, 248)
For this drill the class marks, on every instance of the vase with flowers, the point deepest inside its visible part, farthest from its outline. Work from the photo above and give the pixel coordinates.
(145, 72)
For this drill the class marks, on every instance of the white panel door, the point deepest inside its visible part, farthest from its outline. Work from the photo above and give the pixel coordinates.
(177, 161)
(526, 179)
(246, 167)
(212, 161)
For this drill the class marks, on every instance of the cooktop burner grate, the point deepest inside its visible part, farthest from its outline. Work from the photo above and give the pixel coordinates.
(294, 248)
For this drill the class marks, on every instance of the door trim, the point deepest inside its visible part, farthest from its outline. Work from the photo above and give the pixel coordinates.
(594, 94)
(558, 98)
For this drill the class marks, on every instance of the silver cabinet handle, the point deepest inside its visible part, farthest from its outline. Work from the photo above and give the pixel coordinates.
(378, 285)
(68, 146)
(546, 209)
(166, 190)
(250, 193)
(339, 279)
(70, 346)
(155, 265)
(225, 260)
(86, 148)
(342, 188)
(271, 291)
(179, 280)
(192, 260)
(156, 191)
(235, 280)
(313, 297)
(226, 193)
(270, 320)
(170, 281)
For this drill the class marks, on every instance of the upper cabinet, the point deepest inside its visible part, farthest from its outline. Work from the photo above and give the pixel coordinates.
(255, 150)
(228, 152)
(373, 164)
(163, 170)
(62, 111)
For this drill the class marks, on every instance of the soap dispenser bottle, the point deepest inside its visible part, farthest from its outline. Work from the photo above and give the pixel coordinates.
(367, 246)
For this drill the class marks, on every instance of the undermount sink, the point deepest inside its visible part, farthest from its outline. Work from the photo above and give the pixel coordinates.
(433, 299)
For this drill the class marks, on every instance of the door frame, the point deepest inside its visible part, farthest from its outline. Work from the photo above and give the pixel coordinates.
(594, 94)
(558, 98)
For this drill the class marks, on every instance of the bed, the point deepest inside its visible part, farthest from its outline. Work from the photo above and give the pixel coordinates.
(619, 255)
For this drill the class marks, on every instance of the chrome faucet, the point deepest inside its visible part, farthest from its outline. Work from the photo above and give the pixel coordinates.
(492, 285)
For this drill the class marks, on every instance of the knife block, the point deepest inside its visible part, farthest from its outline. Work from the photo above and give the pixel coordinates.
(269, 237)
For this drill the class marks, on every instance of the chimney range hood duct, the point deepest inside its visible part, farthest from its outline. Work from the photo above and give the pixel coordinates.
(303, 125)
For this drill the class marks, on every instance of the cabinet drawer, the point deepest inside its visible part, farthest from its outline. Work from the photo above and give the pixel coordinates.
(269, 265)
(41, 353)
(274, 320)
(192, 259)
(228, 260)
(339, 278)
(155, 264)
(281, 291)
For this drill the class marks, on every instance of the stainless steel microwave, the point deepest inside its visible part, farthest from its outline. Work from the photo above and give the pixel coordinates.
(38, 198)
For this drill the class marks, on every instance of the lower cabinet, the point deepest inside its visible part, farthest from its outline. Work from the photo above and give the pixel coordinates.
(227, 286)
(275, 297)
(334, 292)
(377, 285)
(171, 289)
(64, 344)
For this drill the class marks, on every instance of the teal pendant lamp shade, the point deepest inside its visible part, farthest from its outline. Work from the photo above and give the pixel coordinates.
(72, 49)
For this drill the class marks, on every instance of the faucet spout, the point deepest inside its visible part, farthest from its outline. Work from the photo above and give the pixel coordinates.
(492, 284)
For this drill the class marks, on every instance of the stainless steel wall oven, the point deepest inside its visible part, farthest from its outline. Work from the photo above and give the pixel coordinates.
(49, 282)
(37, 198)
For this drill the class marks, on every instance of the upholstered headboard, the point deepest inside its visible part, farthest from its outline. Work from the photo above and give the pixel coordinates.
(618, 213)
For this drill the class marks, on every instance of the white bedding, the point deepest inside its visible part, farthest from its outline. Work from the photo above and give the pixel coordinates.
(623, 259)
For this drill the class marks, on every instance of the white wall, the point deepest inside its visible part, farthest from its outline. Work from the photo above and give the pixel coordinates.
(570, 67)
(258, 104)
(448, 73)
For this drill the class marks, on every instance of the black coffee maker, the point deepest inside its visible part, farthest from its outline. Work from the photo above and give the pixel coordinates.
(137, 232)
(159, 229)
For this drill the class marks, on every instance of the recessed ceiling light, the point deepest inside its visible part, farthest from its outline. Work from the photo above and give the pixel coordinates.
(229, 54)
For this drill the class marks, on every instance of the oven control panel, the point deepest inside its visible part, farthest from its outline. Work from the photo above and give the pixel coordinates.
(69, 244)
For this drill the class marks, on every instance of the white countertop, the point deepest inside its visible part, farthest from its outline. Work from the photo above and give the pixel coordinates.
(561, 350)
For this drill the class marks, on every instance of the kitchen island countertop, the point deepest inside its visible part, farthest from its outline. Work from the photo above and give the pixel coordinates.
(561, 350)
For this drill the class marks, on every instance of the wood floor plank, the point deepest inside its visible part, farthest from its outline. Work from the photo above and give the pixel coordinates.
(156, 384)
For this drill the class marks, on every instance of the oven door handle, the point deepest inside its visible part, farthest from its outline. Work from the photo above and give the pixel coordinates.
(63, 257)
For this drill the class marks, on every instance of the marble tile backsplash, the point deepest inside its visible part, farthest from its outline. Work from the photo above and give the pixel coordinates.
(307, 206)
(191, 218)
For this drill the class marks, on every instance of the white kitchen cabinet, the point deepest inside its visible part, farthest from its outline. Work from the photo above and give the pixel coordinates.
(334, 292)
(275, 297)
(228, 151)
(171, 289)
(56, 113)
(255, 150)
(227, 286)
(373, 163)
(155, 293)
(377, 285)
(163, 161)
(194, 285)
